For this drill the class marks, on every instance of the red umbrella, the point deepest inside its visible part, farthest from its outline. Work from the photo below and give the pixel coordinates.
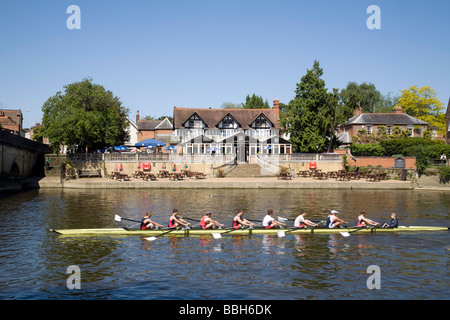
(121, 167)
(174, 167)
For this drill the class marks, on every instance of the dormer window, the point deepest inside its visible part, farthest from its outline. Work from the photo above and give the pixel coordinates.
(194, 122)
(228, 123)
(261, 123)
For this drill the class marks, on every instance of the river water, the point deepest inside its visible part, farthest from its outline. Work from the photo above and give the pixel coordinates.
(34, 262)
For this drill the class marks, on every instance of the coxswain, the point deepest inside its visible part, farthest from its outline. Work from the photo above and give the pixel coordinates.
(302, 222)
(208, 223)
(362, 221)
(333, 221)
(147, 223)
(393, 223)
(239, 222)
(269, 222)
(176, 222)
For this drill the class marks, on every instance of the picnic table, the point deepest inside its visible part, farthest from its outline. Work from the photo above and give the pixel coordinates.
(303, 173)
(320, 175)
(376, 176)
(284, 175)
(341, 176)
(163, 174)
(119, 176)
(198, 175)
(148, 176)
(186, 173)
(176, 176)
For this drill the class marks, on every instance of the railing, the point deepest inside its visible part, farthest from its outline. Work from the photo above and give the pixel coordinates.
(154, 157)
(271, 164)
(220, 158)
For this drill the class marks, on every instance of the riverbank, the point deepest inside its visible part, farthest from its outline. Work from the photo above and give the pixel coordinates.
(222, 183)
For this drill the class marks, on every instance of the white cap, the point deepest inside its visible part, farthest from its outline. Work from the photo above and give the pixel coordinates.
(333, 211)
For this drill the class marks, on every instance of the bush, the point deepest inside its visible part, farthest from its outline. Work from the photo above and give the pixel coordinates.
(444, 174)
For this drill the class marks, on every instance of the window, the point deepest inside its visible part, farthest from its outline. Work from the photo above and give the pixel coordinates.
(388, 130)
(194, 122)
(228, 123)
(261, 123)
(369, 130)
(411, 130)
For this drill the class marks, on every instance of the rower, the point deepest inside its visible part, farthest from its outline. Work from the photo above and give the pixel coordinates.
(147, 223)
(393, 223)
(302, 222)
(362, 221)
(240, 222)
(333, 221)
(208, 223)
(176, 222)
(269, 222)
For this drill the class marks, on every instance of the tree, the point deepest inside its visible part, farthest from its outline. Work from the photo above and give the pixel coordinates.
(230, 105)
(423, 104)
(255, 102)
(368, 97)
(86, 117)
(309, 116)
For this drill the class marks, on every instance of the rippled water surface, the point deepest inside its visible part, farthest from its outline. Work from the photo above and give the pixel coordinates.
(34, 261)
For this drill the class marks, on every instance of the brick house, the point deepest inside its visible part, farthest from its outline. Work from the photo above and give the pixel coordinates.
(160, 130)
(12, 120)
(372, 122)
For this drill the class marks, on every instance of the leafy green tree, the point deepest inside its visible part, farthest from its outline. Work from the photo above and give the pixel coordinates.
(309, 117)
(368, 97)
(86, 117)
(255, 102)
(230, 105)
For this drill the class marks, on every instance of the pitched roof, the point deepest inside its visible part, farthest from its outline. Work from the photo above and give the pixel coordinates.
(212, 117)
(154, 124)
(385, 119)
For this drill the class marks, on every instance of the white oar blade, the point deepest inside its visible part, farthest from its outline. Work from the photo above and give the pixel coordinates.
(281, 219)
(345, 234)
(216, 235)
(281, 233)
(151, 238)
(117, 218)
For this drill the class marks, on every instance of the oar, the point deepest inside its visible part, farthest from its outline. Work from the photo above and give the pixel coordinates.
(218, 235)
(159, 235)
(347, 234)
(172, 230)
(282, 233)
(119, 218)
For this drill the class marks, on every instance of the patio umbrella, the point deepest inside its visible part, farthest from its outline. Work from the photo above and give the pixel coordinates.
(170, 148)
(213, 149)
(120, 148)
(174, 167)
(150, 142)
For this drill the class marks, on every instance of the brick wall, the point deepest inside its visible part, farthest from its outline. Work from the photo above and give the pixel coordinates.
(384, 162)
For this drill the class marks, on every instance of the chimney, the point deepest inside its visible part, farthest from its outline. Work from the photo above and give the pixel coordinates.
(276, 107)
(358, 110)
(137, 117)
(398, 109)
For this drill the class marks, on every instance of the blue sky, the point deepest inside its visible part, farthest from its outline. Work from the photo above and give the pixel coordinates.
(155, 55)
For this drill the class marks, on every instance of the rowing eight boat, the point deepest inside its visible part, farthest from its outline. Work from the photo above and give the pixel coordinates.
(241, 232)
